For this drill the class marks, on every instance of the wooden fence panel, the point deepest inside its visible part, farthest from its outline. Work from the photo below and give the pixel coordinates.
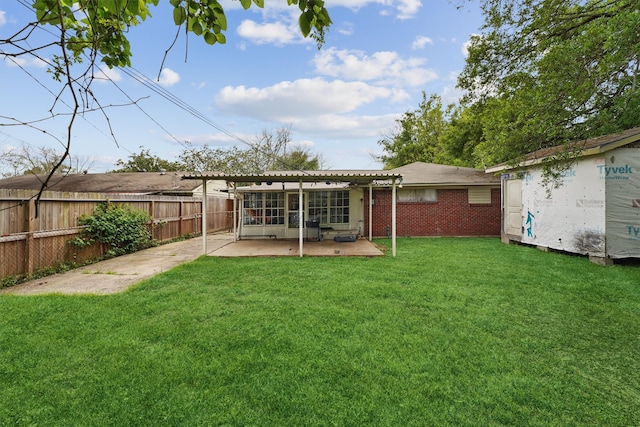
(29, 244)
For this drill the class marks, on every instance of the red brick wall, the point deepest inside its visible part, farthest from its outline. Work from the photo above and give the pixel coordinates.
(451, 215)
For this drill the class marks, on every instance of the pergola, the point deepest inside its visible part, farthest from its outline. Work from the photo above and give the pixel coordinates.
(362, 178)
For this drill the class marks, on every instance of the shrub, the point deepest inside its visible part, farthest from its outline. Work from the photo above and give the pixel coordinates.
(119, 228)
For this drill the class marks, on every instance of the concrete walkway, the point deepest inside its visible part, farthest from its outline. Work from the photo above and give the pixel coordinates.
(117, 274)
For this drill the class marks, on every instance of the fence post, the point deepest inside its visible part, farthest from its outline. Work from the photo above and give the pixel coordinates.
(29, 250)
(180, 215)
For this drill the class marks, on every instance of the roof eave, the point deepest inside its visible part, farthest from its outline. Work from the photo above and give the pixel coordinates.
(600, 149)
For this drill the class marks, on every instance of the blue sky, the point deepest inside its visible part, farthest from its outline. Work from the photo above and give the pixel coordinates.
(378, 58)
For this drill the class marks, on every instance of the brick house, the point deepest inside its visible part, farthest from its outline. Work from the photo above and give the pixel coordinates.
(431, 200)
(439, 200)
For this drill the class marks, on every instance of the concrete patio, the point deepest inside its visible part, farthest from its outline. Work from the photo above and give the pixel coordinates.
(290, 247)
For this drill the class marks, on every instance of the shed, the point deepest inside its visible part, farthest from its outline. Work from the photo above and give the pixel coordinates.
(595, 211)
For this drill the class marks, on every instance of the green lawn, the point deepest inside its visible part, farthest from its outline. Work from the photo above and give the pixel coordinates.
(462, 332)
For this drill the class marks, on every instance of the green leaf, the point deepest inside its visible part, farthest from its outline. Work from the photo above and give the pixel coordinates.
(210, 38)
(222, 39)
(246, 4)
(179, 15)
(305, 24)
(259, 3)
(196, 28)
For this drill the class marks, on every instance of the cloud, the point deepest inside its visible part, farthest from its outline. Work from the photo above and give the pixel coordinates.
(347, 126)
(268, 33)
(420, 42)
(382, 67)
(168, 77)
(346, 28)
(407, 9)
(3, 17)
(219, 139)
(291, 101)
(26, 62)
(105, 74)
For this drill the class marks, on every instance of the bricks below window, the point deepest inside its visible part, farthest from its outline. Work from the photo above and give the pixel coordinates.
(450, 215)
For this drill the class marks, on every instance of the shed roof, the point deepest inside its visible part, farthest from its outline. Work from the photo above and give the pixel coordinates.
(130, 183)
(581, 148)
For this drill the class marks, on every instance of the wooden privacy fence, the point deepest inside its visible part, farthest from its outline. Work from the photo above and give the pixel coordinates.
(29, 244)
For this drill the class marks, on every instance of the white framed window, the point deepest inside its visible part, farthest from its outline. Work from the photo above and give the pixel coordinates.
(274, 208)
(339, 207)
(263, 208)
(253, 205)
(319, 206)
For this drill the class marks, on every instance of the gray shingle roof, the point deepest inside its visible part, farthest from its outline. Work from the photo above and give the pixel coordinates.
(420, 173)
(131, 183)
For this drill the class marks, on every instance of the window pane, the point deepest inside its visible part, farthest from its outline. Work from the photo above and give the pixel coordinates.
(253, 209)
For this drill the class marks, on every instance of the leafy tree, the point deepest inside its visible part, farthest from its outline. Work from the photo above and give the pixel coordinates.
(463, 137)
(39, 160)
(79, 34)
(553, 71)
(267, 151)
(144, 161)
(299, 158)
(417, 138)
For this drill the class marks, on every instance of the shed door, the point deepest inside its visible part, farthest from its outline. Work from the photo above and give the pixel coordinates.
(513, 207)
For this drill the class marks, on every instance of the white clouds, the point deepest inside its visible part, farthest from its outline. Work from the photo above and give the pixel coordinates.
(105, 74)
(168, 77)
(218, 139)
(420, 42)
(382, 67)
(268, 33)
(280, 26)
(25, 62)
(3, 17)
(288, 102)
(407, 9)
(347, 126)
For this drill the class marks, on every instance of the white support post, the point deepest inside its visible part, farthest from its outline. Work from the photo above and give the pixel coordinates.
(204, 216)
(370, 212)
(393, 218)
(235, 213)
(300, 219)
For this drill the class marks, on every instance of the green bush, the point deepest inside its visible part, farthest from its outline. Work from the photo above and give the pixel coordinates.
(119, 228)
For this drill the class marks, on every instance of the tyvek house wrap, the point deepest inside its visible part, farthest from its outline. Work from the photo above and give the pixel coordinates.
(621, 175)
(571, 217)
